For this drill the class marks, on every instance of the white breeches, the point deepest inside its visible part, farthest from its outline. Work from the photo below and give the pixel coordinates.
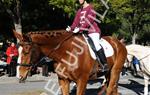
(95, 38)
(137, 67)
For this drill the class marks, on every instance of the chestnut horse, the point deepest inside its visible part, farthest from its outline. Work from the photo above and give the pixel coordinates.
(72, 56)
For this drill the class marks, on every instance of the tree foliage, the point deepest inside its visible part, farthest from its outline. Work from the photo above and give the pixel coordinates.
(69, 6)
(129, 18)
(134, 15)
(5, 19)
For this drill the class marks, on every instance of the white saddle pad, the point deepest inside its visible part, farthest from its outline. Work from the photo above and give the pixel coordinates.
(108, 50)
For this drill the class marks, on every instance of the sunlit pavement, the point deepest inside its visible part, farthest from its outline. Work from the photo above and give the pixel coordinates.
(39, 85)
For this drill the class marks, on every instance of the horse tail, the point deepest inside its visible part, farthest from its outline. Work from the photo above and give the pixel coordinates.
(121, 54)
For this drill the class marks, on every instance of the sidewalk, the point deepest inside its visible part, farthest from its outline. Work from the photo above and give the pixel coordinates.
(35, 78)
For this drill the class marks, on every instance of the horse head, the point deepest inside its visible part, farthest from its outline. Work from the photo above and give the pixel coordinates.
(32, 50)
(30, 56)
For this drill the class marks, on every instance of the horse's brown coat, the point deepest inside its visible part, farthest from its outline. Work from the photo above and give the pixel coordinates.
(59, 45)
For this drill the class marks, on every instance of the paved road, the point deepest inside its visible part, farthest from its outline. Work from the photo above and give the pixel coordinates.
(38, 85)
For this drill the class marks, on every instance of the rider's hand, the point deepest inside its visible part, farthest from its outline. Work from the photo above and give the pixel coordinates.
(68, 29)
(76, 30)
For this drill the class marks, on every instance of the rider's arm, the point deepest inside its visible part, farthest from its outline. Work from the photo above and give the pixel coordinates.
(76, 20)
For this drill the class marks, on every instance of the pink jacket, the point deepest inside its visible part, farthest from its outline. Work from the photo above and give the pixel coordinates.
(83, 18)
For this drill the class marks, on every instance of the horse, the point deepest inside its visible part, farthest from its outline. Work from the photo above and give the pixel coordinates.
(72, 58)
(142, 53)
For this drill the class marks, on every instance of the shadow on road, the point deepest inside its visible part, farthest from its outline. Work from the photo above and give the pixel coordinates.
(134, 86)
(90, 91)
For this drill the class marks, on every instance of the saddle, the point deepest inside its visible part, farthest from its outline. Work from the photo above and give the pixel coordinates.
(108, 50)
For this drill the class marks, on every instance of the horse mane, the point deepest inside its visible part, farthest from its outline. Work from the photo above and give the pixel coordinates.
(53, 33)
(45, 37)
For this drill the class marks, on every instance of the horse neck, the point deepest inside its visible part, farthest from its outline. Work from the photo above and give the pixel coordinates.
(48, 38)
(55, 46)
(48, 41)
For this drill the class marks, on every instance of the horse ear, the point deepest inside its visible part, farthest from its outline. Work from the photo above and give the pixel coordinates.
(18, 35)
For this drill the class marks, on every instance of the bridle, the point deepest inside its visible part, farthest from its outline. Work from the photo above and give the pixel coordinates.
(25, 53)
(25, 65)
(51, 52)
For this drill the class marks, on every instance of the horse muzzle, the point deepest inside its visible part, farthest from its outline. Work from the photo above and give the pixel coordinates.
(22, 79)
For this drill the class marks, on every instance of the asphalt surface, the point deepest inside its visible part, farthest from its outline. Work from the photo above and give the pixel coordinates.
(39, 85)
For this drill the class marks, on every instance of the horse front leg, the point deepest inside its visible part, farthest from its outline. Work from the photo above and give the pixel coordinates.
(65, 86)
(81, 85)
(146, 79)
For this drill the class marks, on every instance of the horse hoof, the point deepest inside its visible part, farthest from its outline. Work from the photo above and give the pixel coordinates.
(101, 93)
(21, 81)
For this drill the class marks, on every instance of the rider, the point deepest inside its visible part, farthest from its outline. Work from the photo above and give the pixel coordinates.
(84, 21)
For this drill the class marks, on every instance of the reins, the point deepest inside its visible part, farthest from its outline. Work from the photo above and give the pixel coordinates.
(25, 65)
(144, 57)
(54, 49)
(63, 41)
(28, 65)
(140, 58)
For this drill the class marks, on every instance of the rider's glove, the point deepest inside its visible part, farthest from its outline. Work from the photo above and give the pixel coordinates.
(76, 30)
(68, 29)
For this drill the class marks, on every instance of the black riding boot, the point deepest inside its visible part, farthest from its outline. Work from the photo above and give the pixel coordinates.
(103, 60)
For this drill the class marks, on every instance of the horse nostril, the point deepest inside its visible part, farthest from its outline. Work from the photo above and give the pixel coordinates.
(20, 77)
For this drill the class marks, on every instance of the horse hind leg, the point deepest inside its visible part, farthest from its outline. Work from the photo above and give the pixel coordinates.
(146, 80)
(113, 86)
(114, 77)
(64, 84)
(119, 61)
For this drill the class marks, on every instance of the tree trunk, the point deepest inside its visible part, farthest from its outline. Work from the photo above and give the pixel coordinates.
(134, 37)
(18, 28)
(17, 22)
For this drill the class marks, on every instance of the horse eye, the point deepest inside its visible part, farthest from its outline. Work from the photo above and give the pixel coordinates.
(26, 47)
